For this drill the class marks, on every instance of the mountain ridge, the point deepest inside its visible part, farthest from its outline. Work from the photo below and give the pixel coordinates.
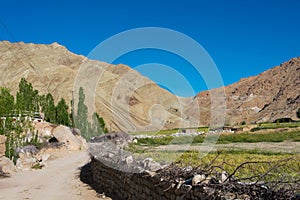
(129, 101)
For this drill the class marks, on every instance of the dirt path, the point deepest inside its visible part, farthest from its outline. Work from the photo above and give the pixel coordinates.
(284, 147)
(58, 180)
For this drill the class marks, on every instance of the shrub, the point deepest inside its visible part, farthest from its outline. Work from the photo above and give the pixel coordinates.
(283, 120)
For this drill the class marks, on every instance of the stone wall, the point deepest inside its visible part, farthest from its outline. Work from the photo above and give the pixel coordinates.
(150, 186)
(120, 176)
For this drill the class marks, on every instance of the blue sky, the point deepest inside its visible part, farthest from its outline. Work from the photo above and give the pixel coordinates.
(244, 38)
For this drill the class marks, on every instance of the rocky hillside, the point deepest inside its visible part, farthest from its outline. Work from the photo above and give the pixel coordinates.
(271, 95)
(128, 101)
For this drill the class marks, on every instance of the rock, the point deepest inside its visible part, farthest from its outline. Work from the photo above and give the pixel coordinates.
(28, 149)
(76, 131)
(188, 168)
(82, 141)
(179, 184)
(129, 160)
(224, 177)
(19, 164)
(209, 190)
(121, 140)
(150, 165)
(25, 164)
(2, 145)
(43, 157)
(64, 135)
(27, 161)
(197, 179)
(185, 188)
(44, 129)
(30, 161)
(7, 167)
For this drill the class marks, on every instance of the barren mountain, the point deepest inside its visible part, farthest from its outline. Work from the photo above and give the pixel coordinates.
(129, 101)
(123, 97)
(273, 94)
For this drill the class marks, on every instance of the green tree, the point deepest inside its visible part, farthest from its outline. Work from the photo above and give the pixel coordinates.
(14, 127)
(62, 115)
(98, 124)
(14, 130)
(298, 113)
(27, 97)
(7, 102)
(81, 118)
(49, 109)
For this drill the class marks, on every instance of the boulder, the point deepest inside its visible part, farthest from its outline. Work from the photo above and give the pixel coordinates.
(44, 129)
(64, 135)
(2, 145)
(82, 141)
(7, 167)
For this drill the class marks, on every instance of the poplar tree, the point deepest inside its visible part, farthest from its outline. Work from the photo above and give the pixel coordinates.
(82, 114)
(49, 109)
(27, 97)
(7, 102)
(62, 115)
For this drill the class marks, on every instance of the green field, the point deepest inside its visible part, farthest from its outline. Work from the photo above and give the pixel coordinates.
(224, 138)
(244, 163)
(260, 165)
(268, 126)
(167, 132)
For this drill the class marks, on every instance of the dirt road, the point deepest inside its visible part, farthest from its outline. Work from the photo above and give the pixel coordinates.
(58, 180)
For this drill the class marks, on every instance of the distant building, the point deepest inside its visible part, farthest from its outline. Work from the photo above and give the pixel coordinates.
(232, 129)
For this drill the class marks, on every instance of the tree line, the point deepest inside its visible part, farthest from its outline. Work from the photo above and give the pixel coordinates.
(28, 103)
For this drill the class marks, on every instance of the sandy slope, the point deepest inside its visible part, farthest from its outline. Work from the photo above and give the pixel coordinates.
(58, 180)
